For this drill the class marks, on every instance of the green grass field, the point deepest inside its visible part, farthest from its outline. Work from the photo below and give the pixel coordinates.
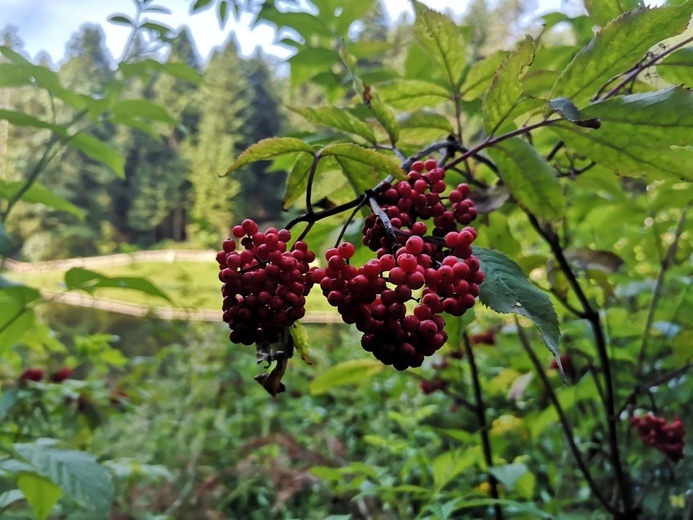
(190, 285)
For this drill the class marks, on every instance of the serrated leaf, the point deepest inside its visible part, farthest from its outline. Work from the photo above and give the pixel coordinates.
(40, 493)
(413, 94)
(75, 472)
(337, 118)
(5, 241)
(268, 148)
(355, 371)
(529, 178)
(677, 68)
(372, 158)
(383, 113)
(86, 280)
(603, 11)
(297, 180)
(425, 119)
(442, 40)
(299, 334)
(99, 151)
(567, 110)
(481, 75)
(142, 108)
(618, 47)
(361, 176)
(506, 289)
(39, 194)
(638, 133)
(506, 88)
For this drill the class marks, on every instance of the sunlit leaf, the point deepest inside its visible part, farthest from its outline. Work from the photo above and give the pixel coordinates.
(506, 90)
(299, 334)
(603, 11)
(442, 41)
(41, 494)
(297, 180)
(425, 119)
(412, 94)
(268, 148)
(617, 47)
(337, 118)
(86, 280)
(481, 75)
(383, 113)
(372, 158)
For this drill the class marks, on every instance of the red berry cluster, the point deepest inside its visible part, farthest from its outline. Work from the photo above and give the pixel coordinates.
(656, 432)
(37, 374)
(264, 283)
(375, 297)
(409, 203)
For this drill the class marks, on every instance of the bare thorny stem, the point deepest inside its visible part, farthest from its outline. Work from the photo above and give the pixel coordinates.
(480, 410)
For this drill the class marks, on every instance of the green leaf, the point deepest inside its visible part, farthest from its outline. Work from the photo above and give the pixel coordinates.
(79, 278)
(677, 68)
(121, 19)
(442, 40)
(75, 472)
(481, 75)
(143, 108)
(223, 12)
(638, 133)
(383, 114)
(603, 11)
(199, 5)
(525, 507)
(297, 180)
(506, 89)
(529, 178)
(22, 119)
(16, 313)
(40, 493)
(506, 289)
(99, 151)
(618, 47)
(337, 118)
(372, 158)
(16, 74)
(5, 242)
(361, 176)
(567, 110)
(299, 334)
(446, 466)
(355, 371)
(39, 194)
(9, 398)
(268, 148)
(413, 94)
(425, 119)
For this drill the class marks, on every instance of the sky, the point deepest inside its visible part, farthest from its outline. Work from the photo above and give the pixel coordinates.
(47, 25)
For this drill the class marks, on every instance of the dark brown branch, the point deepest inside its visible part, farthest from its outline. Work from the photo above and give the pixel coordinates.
(563, 419)
(480, 410)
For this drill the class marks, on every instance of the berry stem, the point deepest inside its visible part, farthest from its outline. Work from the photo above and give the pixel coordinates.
(385, 220)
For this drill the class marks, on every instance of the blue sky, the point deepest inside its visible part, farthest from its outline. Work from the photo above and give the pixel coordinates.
(46, 25)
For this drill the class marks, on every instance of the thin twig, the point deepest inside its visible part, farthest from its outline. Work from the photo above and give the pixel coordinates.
(563, 419)
(480, 410)
(664, 378)
(666, 263)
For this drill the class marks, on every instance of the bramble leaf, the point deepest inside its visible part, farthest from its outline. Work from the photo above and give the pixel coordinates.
(506, 289)
(268, 148)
